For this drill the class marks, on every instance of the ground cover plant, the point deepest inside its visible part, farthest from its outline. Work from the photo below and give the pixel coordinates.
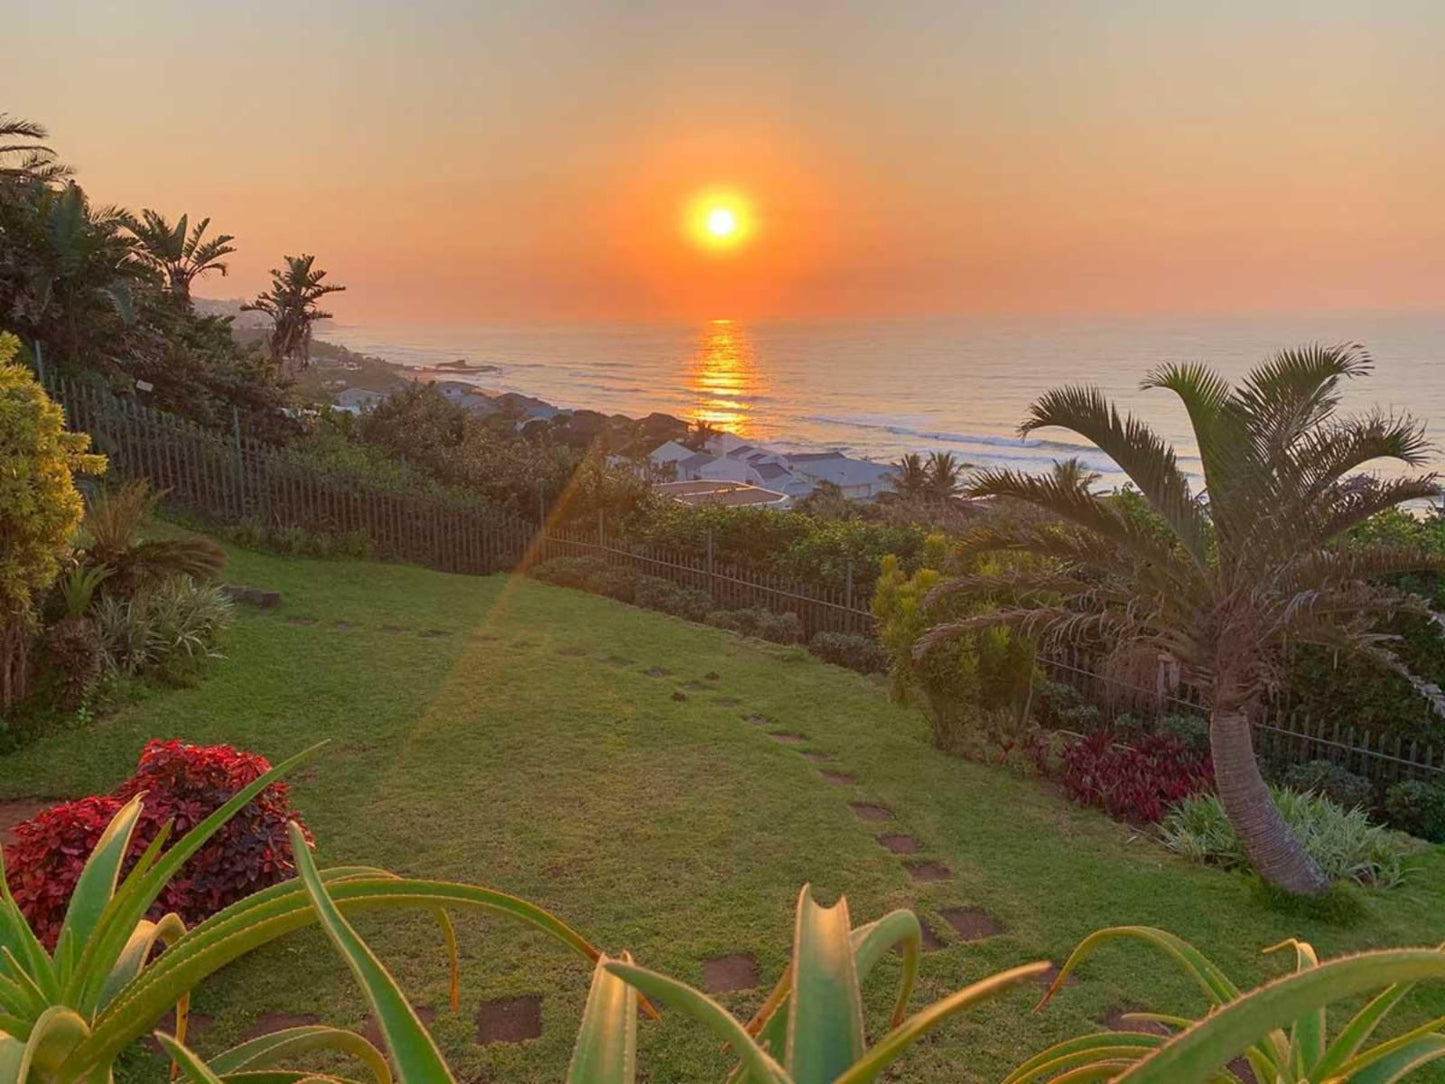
(503, 732)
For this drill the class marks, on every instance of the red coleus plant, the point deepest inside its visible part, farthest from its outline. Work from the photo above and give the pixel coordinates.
(1138, 782)
(181, 783)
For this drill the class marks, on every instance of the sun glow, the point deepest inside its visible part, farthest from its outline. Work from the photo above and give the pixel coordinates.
(719, 220)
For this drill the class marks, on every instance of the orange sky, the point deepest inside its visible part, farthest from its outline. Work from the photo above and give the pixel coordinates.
(452, 163)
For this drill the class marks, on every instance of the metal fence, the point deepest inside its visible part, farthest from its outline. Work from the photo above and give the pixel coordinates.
(230, 480)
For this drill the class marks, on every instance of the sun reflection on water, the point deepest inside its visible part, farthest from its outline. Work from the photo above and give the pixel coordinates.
(723, 377)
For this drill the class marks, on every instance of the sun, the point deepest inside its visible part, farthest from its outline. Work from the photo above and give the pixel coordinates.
(718, 220)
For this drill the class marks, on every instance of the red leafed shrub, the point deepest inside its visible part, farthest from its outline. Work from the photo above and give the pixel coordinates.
(184, 783)
(1136, 783)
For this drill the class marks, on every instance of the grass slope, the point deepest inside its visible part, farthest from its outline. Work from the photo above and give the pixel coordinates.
(511, 752)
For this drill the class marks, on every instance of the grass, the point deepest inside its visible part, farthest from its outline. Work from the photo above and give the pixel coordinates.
(673, 828)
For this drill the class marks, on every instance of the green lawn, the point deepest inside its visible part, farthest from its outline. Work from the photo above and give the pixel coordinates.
(516, 751)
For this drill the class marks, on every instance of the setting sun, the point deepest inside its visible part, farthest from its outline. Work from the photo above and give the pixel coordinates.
(719, 220)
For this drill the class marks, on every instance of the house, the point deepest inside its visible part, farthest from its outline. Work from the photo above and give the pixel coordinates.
(669, 452)
(731, 494)
(859, 479)
(357, 400)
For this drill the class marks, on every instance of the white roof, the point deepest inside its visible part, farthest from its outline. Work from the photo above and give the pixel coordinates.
(671, 452)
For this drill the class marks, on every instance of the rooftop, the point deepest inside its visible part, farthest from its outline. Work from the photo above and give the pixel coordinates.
(732, 494)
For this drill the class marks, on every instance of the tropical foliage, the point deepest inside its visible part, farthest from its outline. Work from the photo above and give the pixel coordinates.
(1279, 1030)
(178, 255)
(291, 303)
(39, 508)
(111, 537)
(23, 157)
(1238, 575)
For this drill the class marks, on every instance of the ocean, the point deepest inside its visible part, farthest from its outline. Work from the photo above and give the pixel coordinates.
(881, 388)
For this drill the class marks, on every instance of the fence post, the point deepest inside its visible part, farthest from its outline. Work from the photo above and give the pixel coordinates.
(849, 589)
(709, 554)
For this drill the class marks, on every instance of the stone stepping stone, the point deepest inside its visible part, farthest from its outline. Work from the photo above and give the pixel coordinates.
(931, 940)
(572, 652)
(251, 596)
(371, 1030)
(432, 634)
(268, 1022)
(342, 626)
(817, 756)
(787, 737)
(394, 629)
(1046, 978)
(509, 1019)
(843, 779)
(972, 923)
(657, 671)
(301, 621)
(694, 686)
(928, 871)
(711, 675)
(196, 1025)
(679, 696)
(727, 701)
(725, 974)
(1115, 1022)
(756, 719)
(898, 843)
(866, 811)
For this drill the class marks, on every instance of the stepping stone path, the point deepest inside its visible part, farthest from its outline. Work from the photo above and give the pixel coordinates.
(510, 1019)
(251, 596)
(841, 779)
(694, 686)
(898, 843)
(866, 811)
(711, 675)
(971, 923)
(342, 626)
(725, 974)
(371, 1030)
(278, 1021)
(931, 941)
(786, 738)
(928, 871)
(756, 720)
(679, 696)
(656, 671)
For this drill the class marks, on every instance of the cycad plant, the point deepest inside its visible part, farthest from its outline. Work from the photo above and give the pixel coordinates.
(1279, 1029)
(111, 538)
(1219, 580)
(72, 643)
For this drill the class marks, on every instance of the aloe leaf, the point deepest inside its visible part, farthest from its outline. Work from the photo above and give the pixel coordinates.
(137, 951)
(1401, 1061)
(1386, 1049)
(28, 991)
(897, 929)
(1228, 1031)
(193, 1066)
(415, 1054)
(896, 1042)
(281, 1076)
(606, 1049)
(266, 1050)
(95, 887)
(12, 1057)
(56, 1032)
(1354, 1034)
(825, 1010)
(1062, 1055)
(1307, 1036)
(19, 945)
(271, 913)
(127, 908)
(708, 1013)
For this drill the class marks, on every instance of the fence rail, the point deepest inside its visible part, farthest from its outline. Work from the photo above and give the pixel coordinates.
(232, 480)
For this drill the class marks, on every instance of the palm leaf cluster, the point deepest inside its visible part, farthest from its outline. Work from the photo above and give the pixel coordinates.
(292, 305)
(178, 254)
(937, 476)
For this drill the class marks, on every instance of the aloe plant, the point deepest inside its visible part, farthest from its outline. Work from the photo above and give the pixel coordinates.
(1280, 1028)
(66, 1015)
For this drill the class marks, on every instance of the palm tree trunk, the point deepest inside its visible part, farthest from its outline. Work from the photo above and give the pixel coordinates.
(1273, 850)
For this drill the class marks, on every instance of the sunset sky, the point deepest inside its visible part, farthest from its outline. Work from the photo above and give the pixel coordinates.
(489, 161)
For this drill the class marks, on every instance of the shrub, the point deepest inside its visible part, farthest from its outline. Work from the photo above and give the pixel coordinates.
(39, 507)
(1190, 730)
(1343, 841)
(654, 593)
(112, 531)
(569, 571)
(1134, 783)
(1338, 784)
(861, 653)
(614, 582)
(181, 783)
(177, 622)
(1417, 807)
(780, 628)
(298, 542)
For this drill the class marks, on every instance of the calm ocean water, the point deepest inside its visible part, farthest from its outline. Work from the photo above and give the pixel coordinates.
(879, 389)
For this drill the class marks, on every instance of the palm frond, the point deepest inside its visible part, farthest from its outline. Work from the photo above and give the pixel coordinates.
(1140, 452)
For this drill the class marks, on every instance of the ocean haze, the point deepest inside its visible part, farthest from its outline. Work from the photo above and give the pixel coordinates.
(879, 389)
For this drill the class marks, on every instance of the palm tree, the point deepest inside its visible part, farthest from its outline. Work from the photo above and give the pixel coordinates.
(176, 256)
(910, 476)
(24, 159)
(701, 432)
(1218, 585)
(945, 474)
(291, 304)
(1074, 474)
